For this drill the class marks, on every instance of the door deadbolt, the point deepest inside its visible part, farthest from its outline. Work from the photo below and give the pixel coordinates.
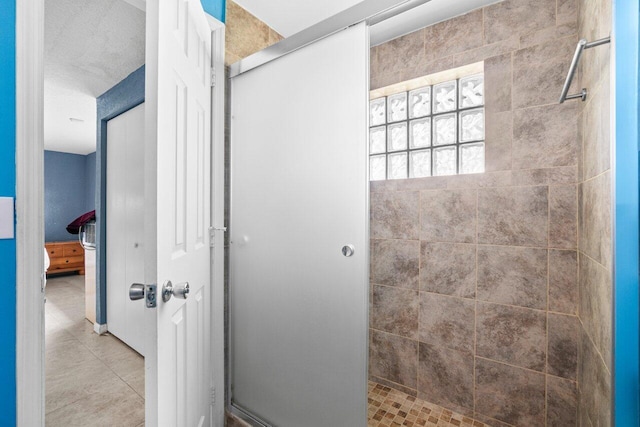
(180, 290)
(148, 292)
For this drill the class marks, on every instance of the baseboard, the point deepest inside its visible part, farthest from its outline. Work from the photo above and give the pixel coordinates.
(100, 329)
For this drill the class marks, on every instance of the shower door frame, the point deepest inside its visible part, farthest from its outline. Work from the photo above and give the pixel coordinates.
(369, 13)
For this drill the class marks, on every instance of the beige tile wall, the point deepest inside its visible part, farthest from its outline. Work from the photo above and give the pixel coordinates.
(594, 220)
(245, 34)
(474, 279)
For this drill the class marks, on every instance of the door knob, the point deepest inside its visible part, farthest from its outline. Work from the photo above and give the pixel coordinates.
(148, 292)
(180, 290)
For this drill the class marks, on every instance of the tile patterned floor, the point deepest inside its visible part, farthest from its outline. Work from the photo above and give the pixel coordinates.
(390, 407)
(97, 380)
(91, 379)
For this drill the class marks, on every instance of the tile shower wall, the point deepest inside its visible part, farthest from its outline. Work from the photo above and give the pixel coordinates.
(594, 221)
(474, 278)
(245, 34)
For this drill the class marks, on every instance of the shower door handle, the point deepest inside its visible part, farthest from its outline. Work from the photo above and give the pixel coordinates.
(348, 250)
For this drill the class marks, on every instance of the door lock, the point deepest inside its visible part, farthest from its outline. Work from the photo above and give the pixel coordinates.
(148, 292)
(180, 290)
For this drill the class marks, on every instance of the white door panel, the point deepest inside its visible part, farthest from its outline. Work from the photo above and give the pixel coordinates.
(299, 193)
(178, 210)
(125, 225)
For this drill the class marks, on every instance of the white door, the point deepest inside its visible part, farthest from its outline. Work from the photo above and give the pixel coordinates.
(177, 215)
(299, 190)
(125, 225)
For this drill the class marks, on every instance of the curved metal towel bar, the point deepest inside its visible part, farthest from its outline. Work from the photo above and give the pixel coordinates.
(582, 45)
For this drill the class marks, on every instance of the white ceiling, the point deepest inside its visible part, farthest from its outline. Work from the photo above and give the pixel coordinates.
(288, 17)
(90, 45)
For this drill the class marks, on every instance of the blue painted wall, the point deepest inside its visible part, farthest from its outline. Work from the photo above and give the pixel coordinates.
(215, 8)
(120, 98)
(90, 182)
(8, 188)
(67, 183)
(626, 381)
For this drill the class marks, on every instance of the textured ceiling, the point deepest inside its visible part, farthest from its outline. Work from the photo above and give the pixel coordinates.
(90, 45)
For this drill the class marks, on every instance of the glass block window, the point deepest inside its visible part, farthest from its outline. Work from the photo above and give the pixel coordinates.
(430, 131)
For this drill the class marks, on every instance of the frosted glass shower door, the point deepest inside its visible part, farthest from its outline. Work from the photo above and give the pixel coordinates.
(299, 194)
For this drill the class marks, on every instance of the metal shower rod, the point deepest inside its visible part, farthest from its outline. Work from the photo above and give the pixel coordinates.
(582, 45)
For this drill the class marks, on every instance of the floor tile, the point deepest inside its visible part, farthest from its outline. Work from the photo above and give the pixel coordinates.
(390, 407)
(91, 379)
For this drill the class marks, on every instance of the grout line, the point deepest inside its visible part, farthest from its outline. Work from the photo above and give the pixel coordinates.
(511, 365)
(546, 361)
(595, 176)
(419, 287)
(396, 383)
(595, 347)
(492, 245)
(476, 300)
(594, 260)
(475, 309)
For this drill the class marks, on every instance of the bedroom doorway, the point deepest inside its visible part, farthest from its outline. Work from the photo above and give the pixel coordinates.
(89, 48)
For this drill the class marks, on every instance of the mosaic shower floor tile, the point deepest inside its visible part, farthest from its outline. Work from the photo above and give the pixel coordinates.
(392, 408)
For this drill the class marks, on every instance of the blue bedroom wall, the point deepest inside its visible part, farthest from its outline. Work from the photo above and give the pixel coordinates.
(67, 183)
(120, 98)
(8, 189)
(90, 182)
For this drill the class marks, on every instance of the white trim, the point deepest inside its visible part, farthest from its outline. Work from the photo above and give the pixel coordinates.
(217, 220)
(100, 328)
(30, 212)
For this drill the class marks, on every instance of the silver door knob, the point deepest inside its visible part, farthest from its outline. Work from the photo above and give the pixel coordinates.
(136, 291)
(180, 290)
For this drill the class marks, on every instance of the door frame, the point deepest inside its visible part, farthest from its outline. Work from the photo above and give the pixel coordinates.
(30, 395)
(625, 208)
(30, 346)
(114, 110)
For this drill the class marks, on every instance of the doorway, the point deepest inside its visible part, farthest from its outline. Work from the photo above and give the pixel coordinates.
(89, 49)
(199, 66)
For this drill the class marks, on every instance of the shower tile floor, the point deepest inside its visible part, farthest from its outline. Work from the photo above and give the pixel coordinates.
(390, 407)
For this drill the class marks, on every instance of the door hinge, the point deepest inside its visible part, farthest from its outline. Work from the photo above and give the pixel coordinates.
(212, 235)
(212, 395)
(213, 77)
